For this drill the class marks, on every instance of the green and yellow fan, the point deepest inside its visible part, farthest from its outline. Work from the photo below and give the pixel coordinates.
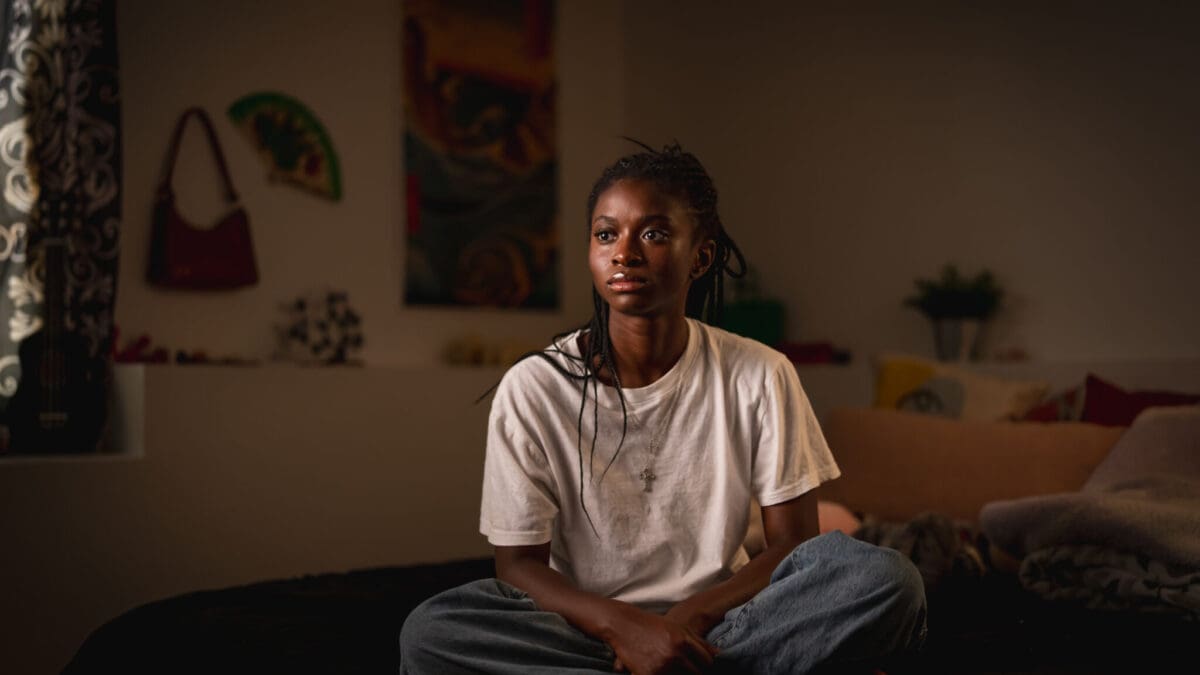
(290, 140)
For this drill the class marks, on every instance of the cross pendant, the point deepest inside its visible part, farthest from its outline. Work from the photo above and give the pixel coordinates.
(648, 478)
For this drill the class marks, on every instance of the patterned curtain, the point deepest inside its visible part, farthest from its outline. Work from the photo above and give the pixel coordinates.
(59, 145)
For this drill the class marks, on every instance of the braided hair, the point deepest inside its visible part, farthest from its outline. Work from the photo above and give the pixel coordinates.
(679, 174)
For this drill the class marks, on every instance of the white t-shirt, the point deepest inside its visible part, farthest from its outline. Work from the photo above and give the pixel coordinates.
(742, 426)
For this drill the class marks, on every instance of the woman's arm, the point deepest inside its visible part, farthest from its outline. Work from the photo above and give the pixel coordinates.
(785, 526)
(644, 642)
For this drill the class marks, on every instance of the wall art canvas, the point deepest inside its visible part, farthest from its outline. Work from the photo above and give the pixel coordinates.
(480, 153)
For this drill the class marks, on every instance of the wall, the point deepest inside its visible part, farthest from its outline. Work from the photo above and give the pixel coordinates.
(857, 147)
(343, 61)
(855, 150)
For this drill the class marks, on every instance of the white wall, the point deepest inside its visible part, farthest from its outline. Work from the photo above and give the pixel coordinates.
(859, 147)
(342, 60)
(855, 150)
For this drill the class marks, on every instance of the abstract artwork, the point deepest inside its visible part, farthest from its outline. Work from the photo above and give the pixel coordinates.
(480, 154)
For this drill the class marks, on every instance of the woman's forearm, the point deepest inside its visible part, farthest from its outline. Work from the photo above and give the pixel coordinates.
(593, 614)
(641, 641)
(705, 609)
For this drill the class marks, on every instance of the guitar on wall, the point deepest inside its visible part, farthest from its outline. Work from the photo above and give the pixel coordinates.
(60, 402)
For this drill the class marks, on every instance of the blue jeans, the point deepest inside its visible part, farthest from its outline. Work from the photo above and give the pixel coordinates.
(834, 603)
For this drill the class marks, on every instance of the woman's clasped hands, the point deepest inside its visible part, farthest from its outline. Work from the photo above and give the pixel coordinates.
(649, 644)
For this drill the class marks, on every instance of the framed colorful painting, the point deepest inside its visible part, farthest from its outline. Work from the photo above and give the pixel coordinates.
(480, 154)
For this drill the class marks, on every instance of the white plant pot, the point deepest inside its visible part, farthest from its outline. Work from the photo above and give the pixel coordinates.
(956, 339)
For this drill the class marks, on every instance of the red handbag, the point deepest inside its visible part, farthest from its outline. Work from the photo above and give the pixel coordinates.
(185, 256)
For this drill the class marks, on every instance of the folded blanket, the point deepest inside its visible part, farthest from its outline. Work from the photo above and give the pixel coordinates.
(1102, 578)
(1132, 530)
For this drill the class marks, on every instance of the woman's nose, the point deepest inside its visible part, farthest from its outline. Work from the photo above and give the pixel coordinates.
(627, 252)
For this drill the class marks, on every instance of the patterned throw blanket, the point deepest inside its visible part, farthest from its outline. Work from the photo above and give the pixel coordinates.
(1130, 538)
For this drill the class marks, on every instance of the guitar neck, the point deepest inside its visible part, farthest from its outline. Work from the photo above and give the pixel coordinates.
(55, 287)
(57, 208)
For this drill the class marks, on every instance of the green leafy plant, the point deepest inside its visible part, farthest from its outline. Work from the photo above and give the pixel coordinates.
(955, 296)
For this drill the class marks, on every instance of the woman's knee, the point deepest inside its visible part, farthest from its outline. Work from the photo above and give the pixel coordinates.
(430, 626)
(877, 570)
(894, 572)
(887, 571)
(421, 629)
(895, 581)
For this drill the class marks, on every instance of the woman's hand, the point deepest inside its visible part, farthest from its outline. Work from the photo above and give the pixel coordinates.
(644, 643)
(693, 617)
(649, 644)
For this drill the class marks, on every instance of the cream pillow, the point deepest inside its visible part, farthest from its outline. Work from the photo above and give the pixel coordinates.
(923, 385)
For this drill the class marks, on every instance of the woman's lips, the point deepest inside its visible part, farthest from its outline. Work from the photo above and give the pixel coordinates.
(622, 283)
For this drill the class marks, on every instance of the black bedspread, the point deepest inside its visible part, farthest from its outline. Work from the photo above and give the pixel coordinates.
(350, 623)
(329, 623)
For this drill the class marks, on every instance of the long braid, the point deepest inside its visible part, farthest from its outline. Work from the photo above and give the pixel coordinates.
(681, 175)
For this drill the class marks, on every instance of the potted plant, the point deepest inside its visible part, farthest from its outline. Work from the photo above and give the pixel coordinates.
(957, 306)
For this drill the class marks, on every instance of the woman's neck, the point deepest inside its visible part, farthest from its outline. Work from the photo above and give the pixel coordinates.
(645, 348)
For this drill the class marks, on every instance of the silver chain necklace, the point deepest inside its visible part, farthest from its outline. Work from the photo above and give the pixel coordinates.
(647, 475)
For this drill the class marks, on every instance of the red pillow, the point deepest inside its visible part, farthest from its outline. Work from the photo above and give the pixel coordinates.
(1107, 404)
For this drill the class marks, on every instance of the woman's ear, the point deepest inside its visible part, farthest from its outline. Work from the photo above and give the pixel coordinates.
(704, 258)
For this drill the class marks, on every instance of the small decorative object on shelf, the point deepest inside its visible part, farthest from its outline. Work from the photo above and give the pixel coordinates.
(810, 353)
(143, 350)
(139, 350)
(957, 306)
(473, 350)
(752, 313)
(320, 328)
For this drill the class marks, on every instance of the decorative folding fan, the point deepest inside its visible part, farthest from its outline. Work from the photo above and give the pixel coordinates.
(291, 141)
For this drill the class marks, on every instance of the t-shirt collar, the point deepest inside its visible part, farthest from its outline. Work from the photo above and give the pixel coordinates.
(654, 392)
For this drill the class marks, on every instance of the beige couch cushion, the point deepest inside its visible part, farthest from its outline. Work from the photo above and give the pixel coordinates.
(896, 465)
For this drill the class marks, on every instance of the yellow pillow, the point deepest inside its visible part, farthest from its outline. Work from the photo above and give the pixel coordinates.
(923, 385)
(896, 376)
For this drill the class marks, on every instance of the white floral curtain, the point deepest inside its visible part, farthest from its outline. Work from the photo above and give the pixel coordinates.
(59, 144)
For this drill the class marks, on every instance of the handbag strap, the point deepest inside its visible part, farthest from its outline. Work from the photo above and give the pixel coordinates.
(211, 133)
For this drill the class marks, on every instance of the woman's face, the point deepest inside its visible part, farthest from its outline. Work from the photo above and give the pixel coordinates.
(644, 250)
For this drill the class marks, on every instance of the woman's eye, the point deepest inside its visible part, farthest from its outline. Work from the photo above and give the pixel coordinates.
(654, 235)
(604, 236)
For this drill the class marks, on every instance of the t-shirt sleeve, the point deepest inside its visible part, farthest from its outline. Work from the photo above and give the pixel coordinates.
(518, 506)
(791, 456)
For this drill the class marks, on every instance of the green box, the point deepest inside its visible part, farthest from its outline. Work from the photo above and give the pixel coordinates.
(760, 320)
